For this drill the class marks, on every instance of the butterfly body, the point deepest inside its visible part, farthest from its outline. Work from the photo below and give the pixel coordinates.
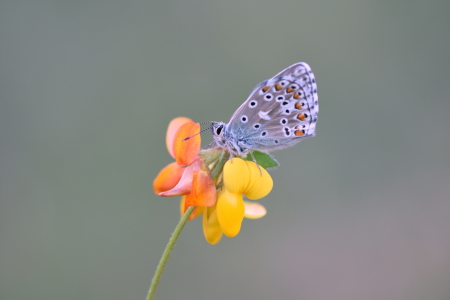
(279, 113)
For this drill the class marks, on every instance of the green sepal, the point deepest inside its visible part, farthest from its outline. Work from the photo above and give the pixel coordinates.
(262, 159)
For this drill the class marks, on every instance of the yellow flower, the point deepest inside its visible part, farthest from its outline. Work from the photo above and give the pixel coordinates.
(240, 176)
(225, 217)
(230, 212)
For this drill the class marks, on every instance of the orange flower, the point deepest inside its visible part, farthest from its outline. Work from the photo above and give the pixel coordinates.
(188, 175)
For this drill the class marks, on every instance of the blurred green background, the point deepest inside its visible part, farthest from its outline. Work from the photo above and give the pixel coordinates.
(87, 88)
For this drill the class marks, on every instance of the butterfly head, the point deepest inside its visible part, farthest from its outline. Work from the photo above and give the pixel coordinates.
(218, 131)
(228, 141)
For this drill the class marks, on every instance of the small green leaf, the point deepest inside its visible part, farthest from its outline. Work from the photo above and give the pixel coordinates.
(262, 159)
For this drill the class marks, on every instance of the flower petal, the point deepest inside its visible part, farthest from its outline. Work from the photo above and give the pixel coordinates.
(260, 183)
(211, 226)
(167, 178)
(174, 125)
(183, 187)
(186, 151)
(230, 212)
(203, 192)
(196, 213)
(254, 210)
(236, 175)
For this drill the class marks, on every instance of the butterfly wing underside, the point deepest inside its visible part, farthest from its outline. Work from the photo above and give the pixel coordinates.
(280, 111)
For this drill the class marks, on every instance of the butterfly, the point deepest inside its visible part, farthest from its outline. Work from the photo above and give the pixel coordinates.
(279, 113)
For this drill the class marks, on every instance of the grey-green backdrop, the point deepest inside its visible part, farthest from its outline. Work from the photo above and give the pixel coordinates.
(87, 88)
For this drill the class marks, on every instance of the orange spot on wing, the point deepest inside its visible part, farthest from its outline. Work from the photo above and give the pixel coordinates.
(278, 87)
(296, 96)
(289, 90)
(301, 117)
(266, 88)
(298, 133)
(298, 105)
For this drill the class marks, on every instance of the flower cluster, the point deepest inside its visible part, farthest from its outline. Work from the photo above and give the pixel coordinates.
(211, 181)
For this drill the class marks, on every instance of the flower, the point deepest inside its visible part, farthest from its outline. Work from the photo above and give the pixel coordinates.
(239, 178)
(219, 199)
(188, 175)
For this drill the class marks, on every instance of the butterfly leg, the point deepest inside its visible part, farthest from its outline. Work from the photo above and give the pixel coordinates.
(259, 168)
(207, 146)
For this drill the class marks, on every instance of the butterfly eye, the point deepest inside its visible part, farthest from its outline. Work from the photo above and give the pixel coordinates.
(253, 103)
(244, 119)
(268, 97)
(219, 129)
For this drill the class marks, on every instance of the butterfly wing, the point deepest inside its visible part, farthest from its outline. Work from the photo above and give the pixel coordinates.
(280, 111)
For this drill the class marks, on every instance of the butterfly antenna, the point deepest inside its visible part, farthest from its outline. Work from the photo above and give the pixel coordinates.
(212, 122)
(199, 132)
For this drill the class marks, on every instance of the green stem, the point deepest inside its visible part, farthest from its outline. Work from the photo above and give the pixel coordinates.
(167, 251)
(221, 161)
